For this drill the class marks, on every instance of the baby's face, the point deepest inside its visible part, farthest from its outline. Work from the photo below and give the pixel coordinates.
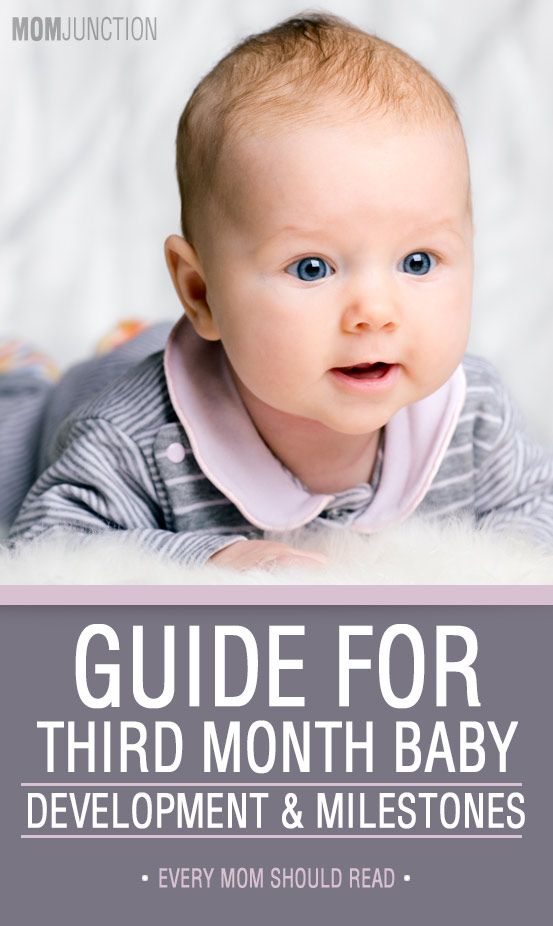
(338, 268)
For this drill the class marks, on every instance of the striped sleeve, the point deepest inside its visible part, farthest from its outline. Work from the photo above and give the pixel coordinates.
(99, 482)
(513, 474)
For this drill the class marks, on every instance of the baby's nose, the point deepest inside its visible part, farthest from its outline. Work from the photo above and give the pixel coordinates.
(372, 311)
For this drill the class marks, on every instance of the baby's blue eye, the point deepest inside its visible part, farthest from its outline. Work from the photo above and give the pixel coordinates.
(310, 268)
(418, 263)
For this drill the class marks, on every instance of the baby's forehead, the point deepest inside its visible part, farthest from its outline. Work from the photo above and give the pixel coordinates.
(245, 136)
(311, 174)
(284, 77)
(284, 144)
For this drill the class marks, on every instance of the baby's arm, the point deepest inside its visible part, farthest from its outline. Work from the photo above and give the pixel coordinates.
(514, 475)
(101, 481)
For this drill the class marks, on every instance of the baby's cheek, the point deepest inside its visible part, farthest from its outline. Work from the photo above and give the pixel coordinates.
(445, 348)
(260, 357)
(278, 343)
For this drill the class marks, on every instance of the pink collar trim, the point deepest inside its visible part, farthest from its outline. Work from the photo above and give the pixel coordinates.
(235, 459)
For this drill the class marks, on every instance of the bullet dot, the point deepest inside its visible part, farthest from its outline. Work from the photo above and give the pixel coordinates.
(406, 877)
(144, 877)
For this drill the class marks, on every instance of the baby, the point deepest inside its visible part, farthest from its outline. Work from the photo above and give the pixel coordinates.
(318, 376)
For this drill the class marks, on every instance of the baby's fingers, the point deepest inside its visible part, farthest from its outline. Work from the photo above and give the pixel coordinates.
(308, 557)
(297, 558)
(263, 554)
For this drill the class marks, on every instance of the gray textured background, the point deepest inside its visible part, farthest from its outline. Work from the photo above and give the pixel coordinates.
(457, 882)
(86, 164)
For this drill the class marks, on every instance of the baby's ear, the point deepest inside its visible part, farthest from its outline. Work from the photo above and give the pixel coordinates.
(188, 280)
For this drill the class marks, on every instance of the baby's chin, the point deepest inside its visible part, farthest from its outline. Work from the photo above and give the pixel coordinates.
(353, 426)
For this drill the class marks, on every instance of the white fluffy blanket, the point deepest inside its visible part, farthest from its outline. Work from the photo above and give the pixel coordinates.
(413, 553)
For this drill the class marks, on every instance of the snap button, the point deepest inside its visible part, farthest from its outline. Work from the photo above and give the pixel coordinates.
(176, 453)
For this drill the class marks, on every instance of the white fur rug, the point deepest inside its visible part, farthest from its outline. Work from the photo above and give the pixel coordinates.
(413, 553)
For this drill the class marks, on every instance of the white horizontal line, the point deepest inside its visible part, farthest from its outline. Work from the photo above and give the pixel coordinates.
(293, 835)
(272, 784)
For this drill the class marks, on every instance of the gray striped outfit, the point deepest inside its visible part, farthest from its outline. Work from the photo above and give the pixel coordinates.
(124, 461)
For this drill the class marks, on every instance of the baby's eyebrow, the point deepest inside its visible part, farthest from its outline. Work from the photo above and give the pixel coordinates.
(308, 234)
(298, 230)
(413, 227)
(440, 225)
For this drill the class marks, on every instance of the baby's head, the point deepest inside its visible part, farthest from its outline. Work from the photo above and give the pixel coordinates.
(327, 224)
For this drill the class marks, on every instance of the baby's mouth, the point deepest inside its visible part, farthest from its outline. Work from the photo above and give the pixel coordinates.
(365, 371)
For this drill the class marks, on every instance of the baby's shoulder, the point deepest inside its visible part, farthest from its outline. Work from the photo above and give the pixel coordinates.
(485, 388)
(488, 411)
(137, 401)
(481, 375)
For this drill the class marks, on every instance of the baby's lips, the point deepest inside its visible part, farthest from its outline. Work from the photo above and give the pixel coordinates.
(365, 365)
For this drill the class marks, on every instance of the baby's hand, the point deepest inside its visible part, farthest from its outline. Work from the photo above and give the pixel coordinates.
(264, 554)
